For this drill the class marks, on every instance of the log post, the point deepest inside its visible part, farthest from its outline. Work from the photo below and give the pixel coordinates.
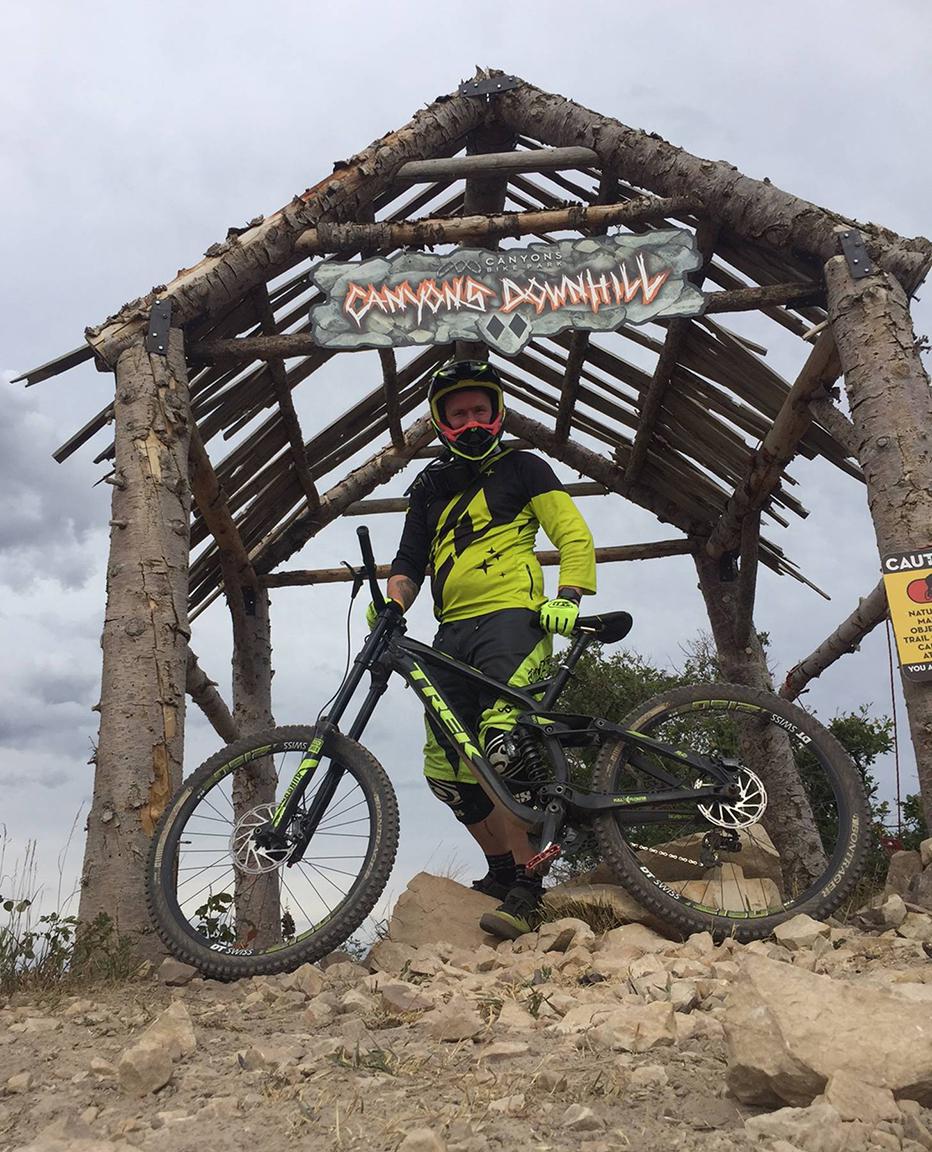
(145, 636)
(891, 409)
(789, 821)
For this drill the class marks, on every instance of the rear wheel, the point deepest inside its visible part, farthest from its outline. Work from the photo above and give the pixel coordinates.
(231, 907)
(794, 840)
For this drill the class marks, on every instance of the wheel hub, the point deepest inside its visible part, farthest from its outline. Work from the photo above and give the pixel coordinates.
(249, 855)
(747, 806)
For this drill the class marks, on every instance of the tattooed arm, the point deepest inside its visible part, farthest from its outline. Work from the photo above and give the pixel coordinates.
(403, 589)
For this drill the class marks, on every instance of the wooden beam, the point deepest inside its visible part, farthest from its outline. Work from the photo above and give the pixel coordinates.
(400, 503)
(286, 403)
(766, 467)
(653, 550)
(381, 467)
(754, 210)
(651, 402)
(835, 422)
(871, 610)
(487, 228)
(495, 163)
(599, 468)
(212, 505)
(579, 343)
(390, 385)
(432, 451)
(203, 691)
(747, 578)
(794, 293)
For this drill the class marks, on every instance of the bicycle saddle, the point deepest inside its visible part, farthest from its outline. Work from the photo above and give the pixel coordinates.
(609, 627)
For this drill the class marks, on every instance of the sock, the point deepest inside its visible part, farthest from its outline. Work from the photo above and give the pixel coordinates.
(502, 868)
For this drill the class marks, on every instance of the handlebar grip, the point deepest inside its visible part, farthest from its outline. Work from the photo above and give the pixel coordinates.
(368, 563)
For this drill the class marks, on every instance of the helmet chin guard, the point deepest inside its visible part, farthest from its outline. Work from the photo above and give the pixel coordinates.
(475, 440)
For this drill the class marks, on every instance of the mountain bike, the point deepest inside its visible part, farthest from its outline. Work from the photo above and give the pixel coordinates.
(718, 807)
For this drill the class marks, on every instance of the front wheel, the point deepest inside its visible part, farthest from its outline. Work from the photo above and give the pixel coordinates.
(228, 903)
(794, 840)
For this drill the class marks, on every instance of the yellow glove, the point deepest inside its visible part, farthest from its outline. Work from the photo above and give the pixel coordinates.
(559, 615)
(372, 613)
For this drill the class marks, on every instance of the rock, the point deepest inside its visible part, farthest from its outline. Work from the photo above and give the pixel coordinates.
(20, 1082)
(515, 1017)
(925, 853)
(916, 926)
(455, 1020)
(333, 958)
(504, 1050)
(102, 1068)
(816, 1129)
(892, 912)
(173, 1031)
(633, 937)
(399, 996)
(787, 1031)
(307, 979)
(600, 899)
(902, 868)
(145, 1067)
(635, 1028)
(853, 1099)
(173, 973)
(684, 996)
(920, 888)
(508, 1105)
(648, 1078)
(561, 935)
(387, 956)
(422, 1140)
(800, 932)
(579, 1118)
(414, 918)
(267, 1057)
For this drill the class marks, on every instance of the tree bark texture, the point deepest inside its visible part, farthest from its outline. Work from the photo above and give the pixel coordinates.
(846, 638)
(266, 248)
(752, 209)
(203, 691)
(145, 636)
(256, 898)
(788, 820)
(891, 409)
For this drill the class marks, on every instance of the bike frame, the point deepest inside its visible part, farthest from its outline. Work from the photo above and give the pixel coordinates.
(387, 650)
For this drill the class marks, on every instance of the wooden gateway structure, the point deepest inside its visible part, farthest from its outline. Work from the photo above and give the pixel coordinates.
(701, 439)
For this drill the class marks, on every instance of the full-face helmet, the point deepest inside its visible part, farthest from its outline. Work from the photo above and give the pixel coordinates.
(475, 440)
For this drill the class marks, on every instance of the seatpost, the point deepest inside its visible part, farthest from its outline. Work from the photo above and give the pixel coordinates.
(565, 670)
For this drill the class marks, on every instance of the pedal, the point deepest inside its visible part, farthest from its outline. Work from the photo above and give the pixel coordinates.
(542, 858)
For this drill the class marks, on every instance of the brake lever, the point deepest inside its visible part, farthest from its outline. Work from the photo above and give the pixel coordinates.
(359, 578)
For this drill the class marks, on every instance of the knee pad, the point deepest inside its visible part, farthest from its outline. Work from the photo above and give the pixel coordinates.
(468, 803)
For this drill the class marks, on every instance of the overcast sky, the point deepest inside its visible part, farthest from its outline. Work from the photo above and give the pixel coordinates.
(132, 136)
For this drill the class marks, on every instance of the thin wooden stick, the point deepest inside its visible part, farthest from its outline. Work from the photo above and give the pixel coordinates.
(579, 342)
(390, 386)
(212, 504)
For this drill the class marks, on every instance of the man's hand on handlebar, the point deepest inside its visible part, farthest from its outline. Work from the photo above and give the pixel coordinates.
(372, 612)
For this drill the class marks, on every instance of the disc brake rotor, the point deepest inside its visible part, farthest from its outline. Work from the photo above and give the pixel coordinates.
(747, 808)
(248, 856)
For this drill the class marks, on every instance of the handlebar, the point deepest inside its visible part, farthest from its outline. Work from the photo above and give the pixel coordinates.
(368, 563)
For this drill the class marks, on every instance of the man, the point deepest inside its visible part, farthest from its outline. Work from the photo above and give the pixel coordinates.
(472, 520)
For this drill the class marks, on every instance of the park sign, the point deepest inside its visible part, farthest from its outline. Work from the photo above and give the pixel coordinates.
(504, 298)
(907, 579)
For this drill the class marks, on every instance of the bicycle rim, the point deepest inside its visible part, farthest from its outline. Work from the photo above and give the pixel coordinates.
(232, 908)
(794, 840)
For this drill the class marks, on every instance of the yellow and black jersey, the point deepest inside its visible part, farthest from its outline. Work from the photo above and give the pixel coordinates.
(478, 542)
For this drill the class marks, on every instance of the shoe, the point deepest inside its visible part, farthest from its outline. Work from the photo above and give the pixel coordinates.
(489, 886)
(518, 913)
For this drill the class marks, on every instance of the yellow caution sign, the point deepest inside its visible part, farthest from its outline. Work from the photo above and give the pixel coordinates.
(907, 578)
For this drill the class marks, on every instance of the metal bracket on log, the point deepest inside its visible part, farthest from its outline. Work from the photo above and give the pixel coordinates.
(249, 600)
(489, 86)
(160, 319)
(852, 244)
(728, 567)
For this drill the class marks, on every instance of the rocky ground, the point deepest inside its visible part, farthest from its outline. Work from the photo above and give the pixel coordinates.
(818, 1040)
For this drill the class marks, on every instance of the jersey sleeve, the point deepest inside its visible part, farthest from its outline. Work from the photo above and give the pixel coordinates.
(562, 521)
(414, 548)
